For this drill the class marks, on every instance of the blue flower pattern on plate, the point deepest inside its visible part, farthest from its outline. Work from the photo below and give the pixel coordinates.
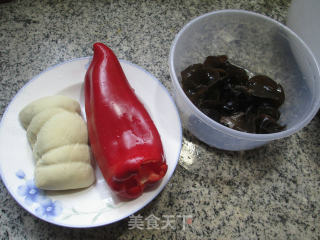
(49, 209)
(20, 174)
(46, 207)
(29, 191)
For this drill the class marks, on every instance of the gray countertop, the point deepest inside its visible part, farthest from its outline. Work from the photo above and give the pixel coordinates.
(269, 193)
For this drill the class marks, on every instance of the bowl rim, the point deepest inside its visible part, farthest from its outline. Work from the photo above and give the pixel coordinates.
(226, 130)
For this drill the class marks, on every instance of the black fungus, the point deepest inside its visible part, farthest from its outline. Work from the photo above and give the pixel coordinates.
(225, 93)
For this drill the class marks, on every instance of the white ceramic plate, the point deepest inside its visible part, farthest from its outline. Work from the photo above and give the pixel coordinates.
(96, 205)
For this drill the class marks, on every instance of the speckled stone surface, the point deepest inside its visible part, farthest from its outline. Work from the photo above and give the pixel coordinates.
(269, 193)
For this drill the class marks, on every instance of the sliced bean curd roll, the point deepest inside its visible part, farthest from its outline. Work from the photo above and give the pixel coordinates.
(59, 138)
(66, 167)
(44, 103)
(38, 121)
(62, 129)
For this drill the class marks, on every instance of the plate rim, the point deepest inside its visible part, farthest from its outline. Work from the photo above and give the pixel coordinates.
(160, 188)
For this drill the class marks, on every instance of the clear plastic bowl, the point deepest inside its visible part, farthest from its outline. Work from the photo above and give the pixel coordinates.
(259, 44)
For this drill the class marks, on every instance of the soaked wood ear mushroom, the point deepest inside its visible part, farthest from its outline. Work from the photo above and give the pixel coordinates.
(264, 87)
(225, 93)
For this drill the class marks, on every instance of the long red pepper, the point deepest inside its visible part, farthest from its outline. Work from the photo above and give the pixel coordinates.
(123, 137)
